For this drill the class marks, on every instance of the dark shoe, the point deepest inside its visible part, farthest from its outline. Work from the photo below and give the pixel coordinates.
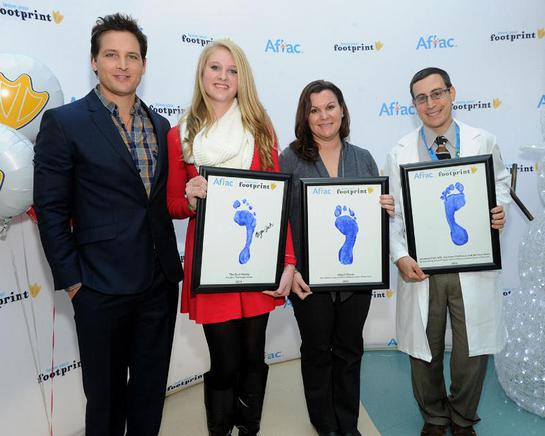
(329, 433)
(463, 431)
(250, 393)
(220, 408)
(433, 430)
(351, 433)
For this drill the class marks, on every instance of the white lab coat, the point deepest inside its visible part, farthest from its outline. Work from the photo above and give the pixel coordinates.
(482, 296)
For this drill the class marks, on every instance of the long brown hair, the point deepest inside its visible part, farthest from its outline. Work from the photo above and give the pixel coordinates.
(254, 118)
(304, 145)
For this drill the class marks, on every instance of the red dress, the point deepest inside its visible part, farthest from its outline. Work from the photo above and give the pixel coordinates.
(211, 308)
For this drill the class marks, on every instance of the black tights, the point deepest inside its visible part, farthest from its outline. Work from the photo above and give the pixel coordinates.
(236, 346)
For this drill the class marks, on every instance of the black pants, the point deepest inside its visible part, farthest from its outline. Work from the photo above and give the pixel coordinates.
(331, 352)
(236, 347)
(120, 336)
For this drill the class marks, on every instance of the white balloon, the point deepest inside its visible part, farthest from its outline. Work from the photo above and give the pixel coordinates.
(16, 172)
(27, 89)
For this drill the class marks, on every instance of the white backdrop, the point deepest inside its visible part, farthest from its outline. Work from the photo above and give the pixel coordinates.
(493, 49)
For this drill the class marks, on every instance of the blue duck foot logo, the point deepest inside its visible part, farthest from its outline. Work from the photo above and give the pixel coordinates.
(453, 202)
(244, 216)
(347, 225)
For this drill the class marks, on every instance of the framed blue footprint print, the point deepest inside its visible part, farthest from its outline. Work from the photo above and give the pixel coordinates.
(345, 234)
(241, 230)
(447, 214)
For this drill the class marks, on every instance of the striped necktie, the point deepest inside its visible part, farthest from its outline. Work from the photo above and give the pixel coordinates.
(441, 152)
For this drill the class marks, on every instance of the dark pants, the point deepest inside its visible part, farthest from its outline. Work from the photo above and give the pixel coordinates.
(125, 336)
(331, 352)
(467, 373)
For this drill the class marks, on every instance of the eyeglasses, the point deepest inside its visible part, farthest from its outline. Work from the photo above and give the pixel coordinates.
(436, 94)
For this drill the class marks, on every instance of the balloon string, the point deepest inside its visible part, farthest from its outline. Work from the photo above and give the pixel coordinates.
(34, 349)
(52, 398)
(27, 276)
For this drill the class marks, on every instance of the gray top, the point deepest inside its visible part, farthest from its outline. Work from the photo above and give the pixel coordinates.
(354, 162)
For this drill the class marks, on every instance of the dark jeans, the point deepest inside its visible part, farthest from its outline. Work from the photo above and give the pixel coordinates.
(331, 352)
(121, 336)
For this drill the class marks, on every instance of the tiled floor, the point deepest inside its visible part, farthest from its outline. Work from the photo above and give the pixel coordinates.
(284, 411)
(387, 396)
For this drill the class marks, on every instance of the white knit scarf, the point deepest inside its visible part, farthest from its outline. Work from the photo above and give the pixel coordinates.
(226, 144)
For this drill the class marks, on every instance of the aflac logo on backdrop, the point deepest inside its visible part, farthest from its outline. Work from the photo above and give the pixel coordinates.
(512, 36)
(541, 101)
(357, 47)
(434, 41)
(281, 46)
(523, 168)
(388, 293)
(202, 40)
(469, 105)
(185, 382)
(274, 355)
(16, 296)
(24, 13)
(394, 109)
(167, 109)
(58, 371)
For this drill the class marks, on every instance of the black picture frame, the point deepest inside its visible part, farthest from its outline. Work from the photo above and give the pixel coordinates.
(421, 183)
(323, 267)
(213, 269)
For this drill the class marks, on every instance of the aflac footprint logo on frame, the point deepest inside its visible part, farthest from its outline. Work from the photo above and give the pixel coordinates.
(19, 102)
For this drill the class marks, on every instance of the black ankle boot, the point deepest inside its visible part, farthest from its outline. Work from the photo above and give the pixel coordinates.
(251, 392)
(220, 408)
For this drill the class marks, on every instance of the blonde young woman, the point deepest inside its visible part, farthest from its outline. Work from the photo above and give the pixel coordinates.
(226, 126)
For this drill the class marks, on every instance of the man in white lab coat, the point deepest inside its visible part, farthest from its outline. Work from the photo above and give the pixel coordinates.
(473, 299)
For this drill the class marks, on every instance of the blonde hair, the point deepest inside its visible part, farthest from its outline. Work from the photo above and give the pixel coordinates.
(201, 115)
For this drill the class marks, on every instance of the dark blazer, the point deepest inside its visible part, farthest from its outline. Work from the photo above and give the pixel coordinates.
(97, 224)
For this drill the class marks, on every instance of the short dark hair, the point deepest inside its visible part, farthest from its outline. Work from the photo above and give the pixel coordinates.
(304, 145)
(119, 22)
(422, 74)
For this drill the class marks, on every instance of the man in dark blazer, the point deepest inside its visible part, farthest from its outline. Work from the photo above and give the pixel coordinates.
(100, 196)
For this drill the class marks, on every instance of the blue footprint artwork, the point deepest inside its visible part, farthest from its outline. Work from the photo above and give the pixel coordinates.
(245, 216)
(346, 224)
(454, 199)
